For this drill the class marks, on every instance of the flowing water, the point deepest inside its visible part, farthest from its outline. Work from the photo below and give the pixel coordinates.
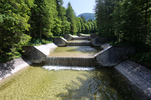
(36, 83)
(78, 40)
(74, 51)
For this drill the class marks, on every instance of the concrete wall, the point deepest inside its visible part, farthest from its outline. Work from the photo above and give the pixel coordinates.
(78, 43)
(68, 37)
(93, 36)
(138, 76)
(112, 56)
(34, 55)
(98, 41)
(60, 42)
(80, 38)
(12, 66)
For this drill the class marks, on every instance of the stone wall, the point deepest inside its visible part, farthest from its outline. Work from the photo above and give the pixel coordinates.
(138, 76)
(113, 55)
(34, 55)
(60, 42)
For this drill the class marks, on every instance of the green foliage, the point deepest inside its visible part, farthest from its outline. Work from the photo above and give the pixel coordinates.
(57, 27)
(130, 21)
(38, 41)
(143, 58)
(71, 18)
(13, 25)
(21, 20)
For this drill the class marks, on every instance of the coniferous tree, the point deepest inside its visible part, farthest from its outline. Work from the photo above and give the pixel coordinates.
(71, 18)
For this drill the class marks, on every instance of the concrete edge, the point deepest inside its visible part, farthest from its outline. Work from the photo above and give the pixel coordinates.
(102, 51)
(134, 78)
(16, 69)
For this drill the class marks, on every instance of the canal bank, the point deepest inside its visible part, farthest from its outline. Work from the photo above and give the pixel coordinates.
(137, 77)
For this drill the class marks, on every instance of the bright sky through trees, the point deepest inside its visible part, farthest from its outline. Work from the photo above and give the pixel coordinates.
(81, 6)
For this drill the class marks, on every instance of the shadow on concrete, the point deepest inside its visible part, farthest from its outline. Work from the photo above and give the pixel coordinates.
(6, 68)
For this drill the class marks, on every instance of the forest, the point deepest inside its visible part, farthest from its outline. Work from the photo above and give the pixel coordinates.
(23, 22)
(130, 22)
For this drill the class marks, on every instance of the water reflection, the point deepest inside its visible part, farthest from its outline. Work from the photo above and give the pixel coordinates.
(36, 83)
(74, 51)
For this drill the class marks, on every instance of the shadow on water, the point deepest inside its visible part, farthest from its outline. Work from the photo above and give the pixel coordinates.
(102, 84)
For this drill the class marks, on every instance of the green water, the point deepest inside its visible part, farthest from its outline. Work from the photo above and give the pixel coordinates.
(74, 51)
(35, 83)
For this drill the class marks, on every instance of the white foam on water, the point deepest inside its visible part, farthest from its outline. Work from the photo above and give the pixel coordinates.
(67, 68)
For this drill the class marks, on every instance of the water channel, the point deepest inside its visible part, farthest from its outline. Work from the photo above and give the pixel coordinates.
(41, 82)
(36, 83)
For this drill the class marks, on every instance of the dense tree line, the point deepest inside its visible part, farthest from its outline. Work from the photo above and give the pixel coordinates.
(130, 20)
(86, 27)
(23, 20)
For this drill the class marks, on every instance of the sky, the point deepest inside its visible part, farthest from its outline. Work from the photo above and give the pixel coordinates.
(81, 6)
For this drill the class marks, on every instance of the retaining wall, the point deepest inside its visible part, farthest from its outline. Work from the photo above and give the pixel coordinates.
(138, 76)
(60, 42)
(98, 41)
(68, 37)
(34, 55)
(12, 66)
(78, 44)
(112, 56)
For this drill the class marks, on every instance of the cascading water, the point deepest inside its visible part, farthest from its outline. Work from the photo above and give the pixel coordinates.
(74, 63)
(34, 83)
(72, 57)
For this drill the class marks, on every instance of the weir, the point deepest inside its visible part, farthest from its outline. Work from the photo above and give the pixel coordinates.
(79, 43)
(71, 61)
(70, 57)
(80, 38)
(101, 84)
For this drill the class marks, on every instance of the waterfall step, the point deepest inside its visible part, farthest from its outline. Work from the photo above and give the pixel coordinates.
(50, 67)
(79, 43)
(80, 38)
(71, 61)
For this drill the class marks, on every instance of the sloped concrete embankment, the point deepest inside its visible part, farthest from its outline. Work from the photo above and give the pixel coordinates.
(113, 55)
(61, 42)
(138, 76)
(37, 54)
(10, 67)
(98, 41)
